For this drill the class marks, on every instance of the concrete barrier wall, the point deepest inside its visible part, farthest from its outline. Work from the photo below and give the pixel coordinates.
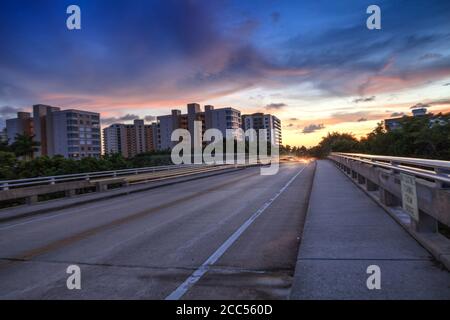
(433, 199)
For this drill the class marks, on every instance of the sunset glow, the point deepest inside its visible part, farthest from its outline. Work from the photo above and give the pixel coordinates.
(313, 64)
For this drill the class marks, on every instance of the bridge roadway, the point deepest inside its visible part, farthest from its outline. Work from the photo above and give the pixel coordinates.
(229, 236)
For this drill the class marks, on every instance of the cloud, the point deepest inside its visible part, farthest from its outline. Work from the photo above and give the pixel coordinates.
(446, 84)
(8, 111)
(149, 118)
(353, 116)
(312, 127)
(127, 117)
(170, 52)
(420, 105)
(293, 119)
(350, 60)
(275, 106)
(397, 114)
(372, 98)
(431, 103)
(439, 102)
(430, 56)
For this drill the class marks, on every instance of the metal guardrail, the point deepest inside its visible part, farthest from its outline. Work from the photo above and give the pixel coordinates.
(436, 170)
(49, 180)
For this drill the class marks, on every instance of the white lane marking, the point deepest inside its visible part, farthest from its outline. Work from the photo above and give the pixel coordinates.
(197, 274)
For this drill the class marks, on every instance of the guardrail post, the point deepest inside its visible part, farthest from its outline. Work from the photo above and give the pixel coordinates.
(370, 186)
(388, 199)
(426, 223)
(442, 172)
(52, 180)
(31, 199)
(361, 179)
(5, 186)
(394, 164)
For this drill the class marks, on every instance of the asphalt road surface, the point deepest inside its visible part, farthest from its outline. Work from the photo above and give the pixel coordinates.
(230, 236)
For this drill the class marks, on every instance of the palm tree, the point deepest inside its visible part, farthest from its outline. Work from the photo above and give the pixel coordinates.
(24, 146)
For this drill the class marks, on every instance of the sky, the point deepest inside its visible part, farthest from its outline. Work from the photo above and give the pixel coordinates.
(312, 63)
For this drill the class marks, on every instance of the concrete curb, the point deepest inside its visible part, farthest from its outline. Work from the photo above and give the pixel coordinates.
(303, 227)
(54, 205)
(436, 244)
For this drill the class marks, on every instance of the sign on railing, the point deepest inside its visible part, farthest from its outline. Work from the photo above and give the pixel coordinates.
(409, 195)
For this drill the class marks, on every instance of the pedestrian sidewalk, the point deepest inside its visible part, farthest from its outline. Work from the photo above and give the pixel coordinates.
(345, 233)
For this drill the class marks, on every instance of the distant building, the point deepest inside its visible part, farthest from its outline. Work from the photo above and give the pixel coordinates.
(129, 139)
(115, 140)
(269, 122)
(3, 135)
(393, 123)
(42, 127)
(417, 112)
(396, 123)
(70, 133)
(433, 120)
(73, 133)
(22, 125)
(222, 119)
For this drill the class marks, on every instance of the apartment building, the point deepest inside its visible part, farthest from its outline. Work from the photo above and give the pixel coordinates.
(3, 135)
(226, 120)
(269, 122)
(115, 140)
(222, 119)
(129, 139)
(74, 134)
(70, 133)
(43, 128)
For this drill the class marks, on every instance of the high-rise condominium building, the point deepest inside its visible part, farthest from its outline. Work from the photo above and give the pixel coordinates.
(70, 133)
(264, 121)
(43, 128)
(129, 139)
(222, 119)
(74, 134)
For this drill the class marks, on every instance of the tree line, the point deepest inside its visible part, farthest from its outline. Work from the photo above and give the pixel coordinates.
(16, 161)
(422, 137)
